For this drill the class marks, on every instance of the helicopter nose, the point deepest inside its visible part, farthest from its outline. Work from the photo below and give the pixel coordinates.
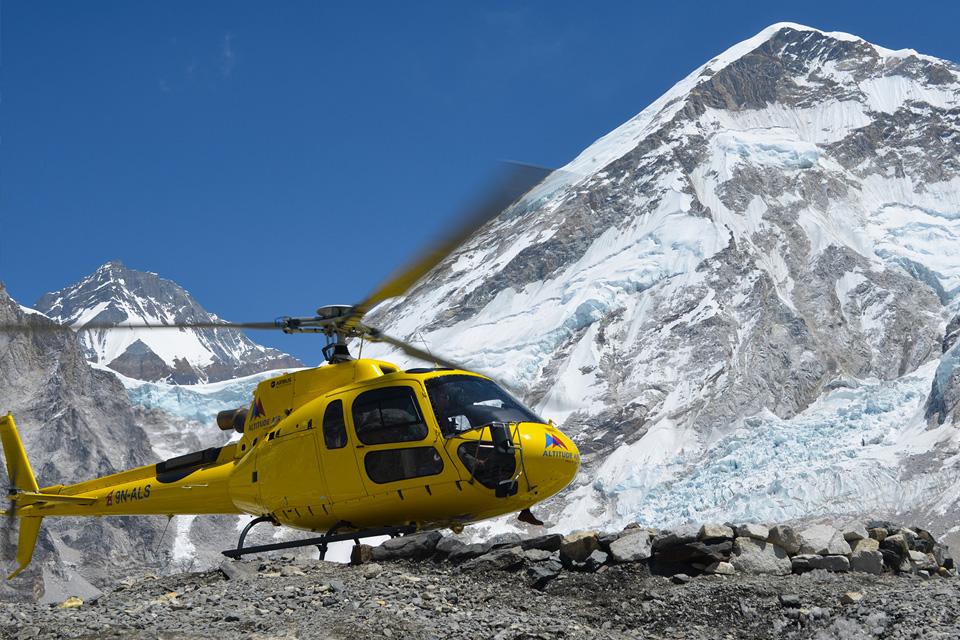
(551, 459)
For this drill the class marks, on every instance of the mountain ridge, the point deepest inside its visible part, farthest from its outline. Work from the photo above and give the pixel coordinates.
(780, 223)
(116, 293)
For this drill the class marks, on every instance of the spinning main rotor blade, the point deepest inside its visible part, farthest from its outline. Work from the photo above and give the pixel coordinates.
(377, 336)
(410, 350)
(516, 180)
(93, 326)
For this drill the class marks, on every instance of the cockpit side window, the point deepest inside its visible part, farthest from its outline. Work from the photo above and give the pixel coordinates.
(334, 428)
(388, 415)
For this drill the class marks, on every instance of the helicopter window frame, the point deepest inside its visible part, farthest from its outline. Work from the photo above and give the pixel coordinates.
(374, 426)
(334, 427)
(384, 466)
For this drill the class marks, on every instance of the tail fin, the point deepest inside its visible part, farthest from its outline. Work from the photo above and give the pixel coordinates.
(18, 467)
(22, 478)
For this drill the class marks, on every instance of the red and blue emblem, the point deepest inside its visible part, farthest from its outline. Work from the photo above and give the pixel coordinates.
(554, 442)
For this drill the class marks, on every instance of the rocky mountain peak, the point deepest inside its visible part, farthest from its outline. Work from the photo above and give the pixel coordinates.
(117, 293)
(777, 227)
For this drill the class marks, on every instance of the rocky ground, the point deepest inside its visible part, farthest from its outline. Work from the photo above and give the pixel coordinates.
(409, 599)
(581, 585)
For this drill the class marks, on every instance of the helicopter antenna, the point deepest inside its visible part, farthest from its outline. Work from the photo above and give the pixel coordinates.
(427, 347)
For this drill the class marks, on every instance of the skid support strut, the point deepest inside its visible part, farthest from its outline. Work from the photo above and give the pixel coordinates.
(320, 542)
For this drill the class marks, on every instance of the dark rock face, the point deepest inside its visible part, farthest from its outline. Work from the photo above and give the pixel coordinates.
(116, 293)
(76, 424)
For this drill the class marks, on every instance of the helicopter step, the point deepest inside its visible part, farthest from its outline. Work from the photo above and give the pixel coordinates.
(320, 542)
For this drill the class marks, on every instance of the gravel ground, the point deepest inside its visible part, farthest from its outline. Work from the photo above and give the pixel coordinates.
(291, 598)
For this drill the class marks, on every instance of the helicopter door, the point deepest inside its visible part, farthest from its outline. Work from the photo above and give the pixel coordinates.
(397, 449)
(337, 459)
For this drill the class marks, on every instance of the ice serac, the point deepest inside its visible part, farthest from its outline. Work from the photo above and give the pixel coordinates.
(76, 423)
(737, 299)
(116, 293)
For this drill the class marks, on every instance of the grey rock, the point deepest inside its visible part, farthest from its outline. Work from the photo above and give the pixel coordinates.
(721, 569)
(504, 540)
(854, 531)
(577, 547)
(752, 530)
(539, 555)
(867, 561)
(713, 531)
(790, 600)
(680, 578)
(801, 563)
(417, 546)
(823, 539)
(540, 575)
(895, 551)
(867, 544)
(830, 563)
(449, 545)
(509, 559)
(466, 552)
(758, 557)
(786, 537)
(238, 569)
(549, 542)
(924, 561)
(680, 536)
(632, 548)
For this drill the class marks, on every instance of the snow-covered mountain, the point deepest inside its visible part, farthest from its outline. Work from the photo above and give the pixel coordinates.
(116, 293)
(737, 300)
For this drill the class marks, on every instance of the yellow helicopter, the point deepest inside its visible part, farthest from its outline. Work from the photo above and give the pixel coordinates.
(352, 449)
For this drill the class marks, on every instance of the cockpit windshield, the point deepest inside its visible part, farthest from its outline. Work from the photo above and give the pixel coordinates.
(462, 403)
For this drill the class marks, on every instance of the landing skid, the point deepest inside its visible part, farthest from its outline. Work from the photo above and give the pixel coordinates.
(320, 542)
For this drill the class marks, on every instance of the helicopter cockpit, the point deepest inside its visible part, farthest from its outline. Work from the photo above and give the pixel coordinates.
(463, 402)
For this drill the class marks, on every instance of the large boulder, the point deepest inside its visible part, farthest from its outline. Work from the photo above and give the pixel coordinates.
(830, 563)
(896, 552)
(548, 542)
(867, 561)
(577, 547)
(786, 537)
(853, 531)
(752, 530)
(448, 545)
(923, 561)
(632, 547)
(462, 553)
(418, 546)
(715, 531)
(800, 563)
(867, 544)
(755, 556)
(509, 559)
(683, 535)
(824, 540)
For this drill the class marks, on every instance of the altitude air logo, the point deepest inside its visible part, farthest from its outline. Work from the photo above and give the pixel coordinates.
(258, 412)
(258, 409)
(555, 448)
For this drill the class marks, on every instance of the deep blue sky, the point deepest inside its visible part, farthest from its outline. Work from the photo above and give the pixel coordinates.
(273, 157)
